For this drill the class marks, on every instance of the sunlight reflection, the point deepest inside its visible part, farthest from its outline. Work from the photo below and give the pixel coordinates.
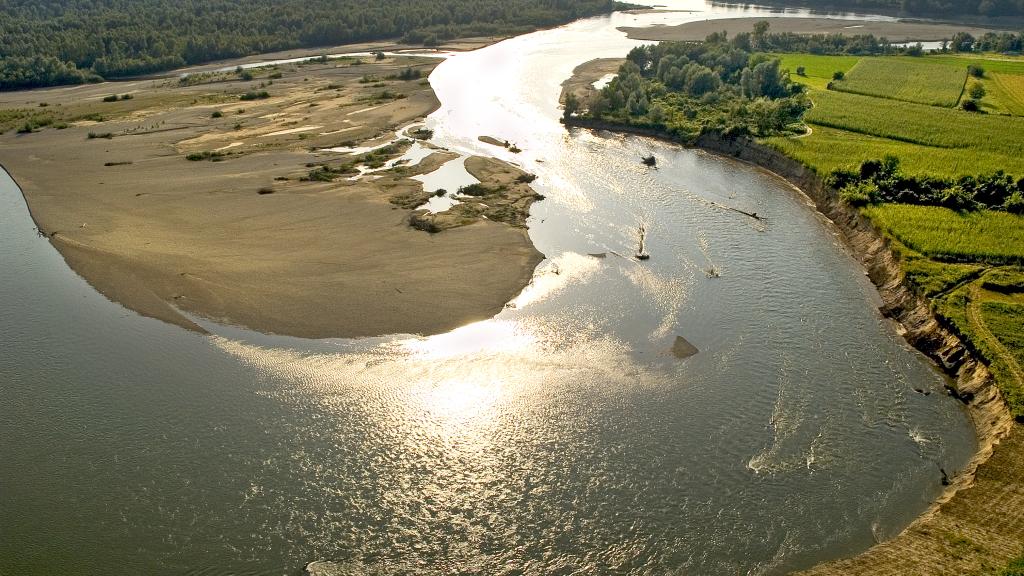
(555, 276)
(461, 399)
(488, 336)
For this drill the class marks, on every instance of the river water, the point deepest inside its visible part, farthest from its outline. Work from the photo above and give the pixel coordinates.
(561, 436)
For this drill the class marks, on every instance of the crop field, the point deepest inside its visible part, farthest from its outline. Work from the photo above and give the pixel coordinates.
(942, 234)
(911, 80)
(1007, 90)
(999, 64)
(818, 69)
(917, 123)
(829, 148)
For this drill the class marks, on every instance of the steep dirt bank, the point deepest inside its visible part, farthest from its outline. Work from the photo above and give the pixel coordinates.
(978, 523)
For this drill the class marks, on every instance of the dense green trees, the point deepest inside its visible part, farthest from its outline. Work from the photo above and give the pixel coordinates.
(688, 89)
(914, 7)
(49, 42)
(879, 181)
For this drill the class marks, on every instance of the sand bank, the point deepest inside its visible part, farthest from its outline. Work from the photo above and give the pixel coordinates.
(902, 31)
(243, 235)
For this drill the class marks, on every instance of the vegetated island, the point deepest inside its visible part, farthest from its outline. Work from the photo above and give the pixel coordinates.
(236, 195)
(919, 159)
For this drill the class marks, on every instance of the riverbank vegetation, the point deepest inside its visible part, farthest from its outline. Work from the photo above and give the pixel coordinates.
(929, 146)
(51, 42)
(685, 90)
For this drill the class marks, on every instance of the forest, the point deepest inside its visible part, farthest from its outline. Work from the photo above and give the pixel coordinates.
(724, 85)
(982, 8)
(53, 42)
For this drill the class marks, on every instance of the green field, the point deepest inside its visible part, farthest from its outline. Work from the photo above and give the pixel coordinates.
(849, 128)
(818, 69)
(828, 148)
(1005, 92)
(942, 234)
(982, 299)
(917, 123)
(912, 80)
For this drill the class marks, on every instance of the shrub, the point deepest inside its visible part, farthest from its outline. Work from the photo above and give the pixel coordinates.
(838, 75)
(254, 95)
(107, 135)
(801, 71)
(216, 114)
(265, 190)
(970, 106)
(977, 91)
(205, 155)
(976, 71)
(477, 190)
(1014, 203)
(526, 178)
(859, 194)
(111, 98)
(410, 73)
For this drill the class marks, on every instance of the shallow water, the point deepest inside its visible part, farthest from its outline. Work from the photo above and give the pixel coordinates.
(561, 436)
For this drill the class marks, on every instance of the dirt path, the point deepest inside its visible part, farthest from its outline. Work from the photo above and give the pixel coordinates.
(974, 316)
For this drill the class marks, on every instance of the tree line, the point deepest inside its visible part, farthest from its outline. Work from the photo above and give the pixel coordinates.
(53, 42)
(878, 181)
(983, 8)
(687, 89)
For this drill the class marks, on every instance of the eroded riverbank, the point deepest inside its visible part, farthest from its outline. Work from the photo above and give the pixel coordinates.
(974, 525)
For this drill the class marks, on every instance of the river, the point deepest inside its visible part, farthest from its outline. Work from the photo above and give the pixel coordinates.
(561, 436)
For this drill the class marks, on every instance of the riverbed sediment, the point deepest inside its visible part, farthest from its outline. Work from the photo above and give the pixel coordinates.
(263, 198)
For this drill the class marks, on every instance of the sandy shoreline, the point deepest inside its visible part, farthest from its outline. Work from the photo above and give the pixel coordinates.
(902, 31)
(242, 237)
(977, 523)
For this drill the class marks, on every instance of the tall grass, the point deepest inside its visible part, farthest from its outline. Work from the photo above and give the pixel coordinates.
(818, 69)
(829, 148)
(942, 234)
(917, 123)
(912, 80)
(1008, 90)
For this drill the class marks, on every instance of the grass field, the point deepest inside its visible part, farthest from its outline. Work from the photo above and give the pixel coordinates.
(911, 80)
(917, 123)
(1007, 90)
(829, 148)
(818, 69)
(942, 234)
(850, 128)
(968, 265)
(981, 299)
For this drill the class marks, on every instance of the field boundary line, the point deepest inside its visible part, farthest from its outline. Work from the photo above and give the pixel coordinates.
(977, 320)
